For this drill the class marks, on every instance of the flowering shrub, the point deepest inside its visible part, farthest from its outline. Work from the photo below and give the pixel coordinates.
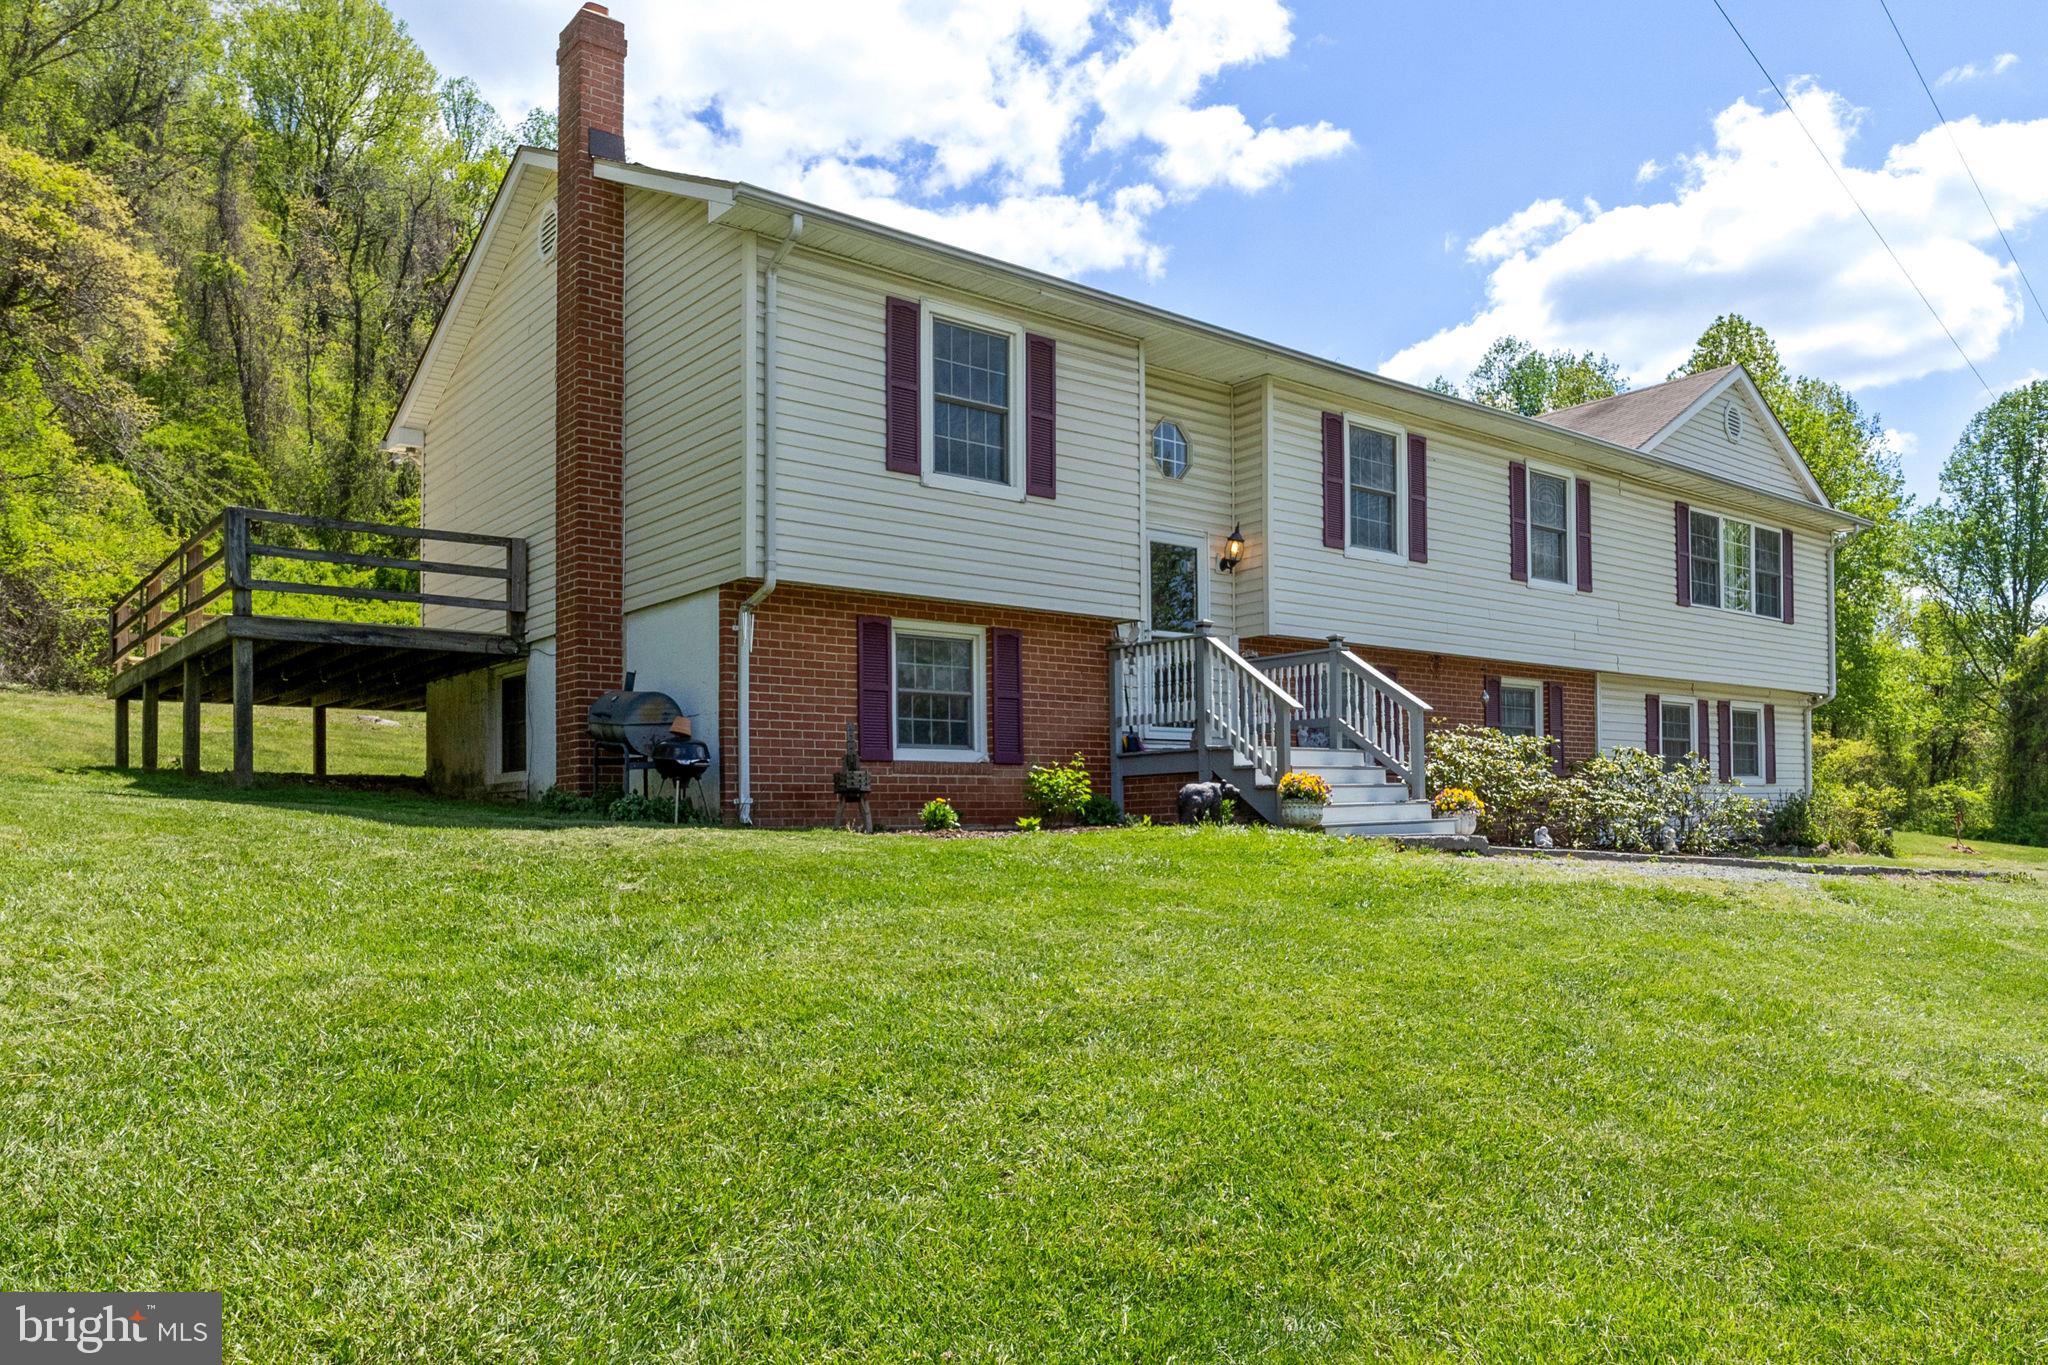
(1059, 790)
(938, 813)
(1304, 787)
(1457, 800)
(1510, 774)
(1621, 800)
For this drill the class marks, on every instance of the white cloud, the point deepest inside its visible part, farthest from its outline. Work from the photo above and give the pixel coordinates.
(1543, 221)
(1046, 131)
(1649, 170)
(1755, 226)
(1906, 443)
(1970, 71)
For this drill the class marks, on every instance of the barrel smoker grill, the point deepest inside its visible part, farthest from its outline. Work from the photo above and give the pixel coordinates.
(639, 727)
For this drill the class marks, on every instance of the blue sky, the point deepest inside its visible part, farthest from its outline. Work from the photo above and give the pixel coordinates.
(1392, 185)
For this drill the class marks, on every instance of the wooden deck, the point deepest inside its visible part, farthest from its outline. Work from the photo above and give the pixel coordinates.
(165, 644)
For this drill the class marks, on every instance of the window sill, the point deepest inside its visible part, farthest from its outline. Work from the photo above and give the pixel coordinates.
(1369, 556)
(954, 758)
(983, 488)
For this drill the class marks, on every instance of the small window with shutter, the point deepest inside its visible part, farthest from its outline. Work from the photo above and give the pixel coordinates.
(987, 393)
(938, 692)
(1521, 708)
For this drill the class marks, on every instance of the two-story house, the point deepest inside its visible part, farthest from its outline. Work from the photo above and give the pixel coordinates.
(798, 469)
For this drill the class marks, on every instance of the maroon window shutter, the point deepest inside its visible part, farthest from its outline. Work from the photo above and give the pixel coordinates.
(1770, 744)
(1418, 499)
(1006, 742)
(1681, 532)
(1702, 742)
(1585, 535)
(1727, 747)
(1490, 702)
(1333, 481)
(1653, 723)
(1041, 425)
(1785, 569)
(1518, 521)
(877, 730)
(902, 440)
(1553, 723)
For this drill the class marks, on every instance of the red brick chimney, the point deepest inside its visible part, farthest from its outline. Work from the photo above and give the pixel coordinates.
(590, 384)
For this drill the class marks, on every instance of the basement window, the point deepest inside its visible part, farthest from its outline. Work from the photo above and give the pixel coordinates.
(512, 724)
(1518, 709)
(939, 697)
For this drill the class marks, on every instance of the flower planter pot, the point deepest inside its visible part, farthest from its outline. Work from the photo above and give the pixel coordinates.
(1301, 814)
(1467, 821)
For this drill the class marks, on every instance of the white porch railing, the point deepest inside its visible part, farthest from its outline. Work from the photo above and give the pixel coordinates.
(1356, 706)
(1201, 685)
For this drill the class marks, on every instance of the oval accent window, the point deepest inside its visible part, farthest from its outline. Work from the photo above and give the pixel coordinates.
(1731, 422)
(1170, 449)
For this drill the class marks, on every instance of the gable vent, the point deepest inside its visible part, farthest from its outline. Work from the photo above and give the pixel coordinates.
(1731, 421)
(548, 229)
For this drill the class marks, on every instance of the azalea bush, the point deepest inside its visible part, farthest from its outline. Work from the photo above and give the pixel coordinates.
(1304, 787)
(1511, 775)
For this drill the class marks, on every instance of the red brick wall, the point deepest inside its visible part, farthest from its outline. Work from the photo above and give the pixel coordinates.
(804, 694)
(1452, 685)
(590, 389)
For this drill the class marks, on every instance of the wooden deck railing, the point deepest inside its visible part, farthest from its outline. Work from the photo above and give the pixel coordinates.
(172, 600)
(1202, 685)
(1357, 706)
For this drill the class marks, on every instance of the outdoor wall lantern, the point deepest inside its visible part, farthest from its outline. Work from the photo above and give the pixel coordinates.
(1233, 549)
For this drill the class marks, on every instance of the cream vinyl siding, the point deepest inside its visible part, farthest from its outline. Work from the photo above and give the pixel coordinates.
(843, 520)
(1621, 724)
(1251, 583)
(684, 420)
(1754, 460)
(488, 462)
(1463, 601)
(1203, 503)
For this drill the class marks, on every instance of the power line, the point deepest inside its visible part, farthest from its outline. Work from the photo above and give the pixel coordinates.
(1868, 220)
(1948, 128)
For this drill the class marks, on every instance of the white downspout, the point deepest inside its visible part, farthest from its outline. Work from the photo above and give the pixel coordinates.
(770, 336)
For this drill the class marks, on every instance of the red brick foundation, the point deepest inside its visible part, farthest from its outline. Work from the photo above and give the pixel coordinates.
(804, 694)
(1452, 685)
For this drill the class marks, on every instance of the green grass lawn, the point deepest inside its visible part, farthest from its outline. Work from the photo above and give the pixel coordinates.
(410, 1080)
(1939, 850)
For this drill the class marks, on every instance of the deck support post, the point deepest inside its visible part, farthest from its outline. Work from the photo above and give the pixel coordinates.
(245, 710)
(319, 741)
(1116, 730)
(121, 733)
(1199, 739)
(194, 689)
(151, 691)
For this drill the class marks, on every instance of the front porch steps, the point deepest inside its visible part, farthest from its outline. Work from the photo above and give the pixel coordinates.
(1366, 800)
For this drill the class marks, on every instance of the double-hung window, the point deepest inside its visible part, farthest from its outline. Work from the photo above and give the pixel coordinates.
(938, 692)
(1746, 742)
(971, 400)
(1520, 705)
(1549, 528)
(1674, 731)
(1375, 480)
(1737, 565)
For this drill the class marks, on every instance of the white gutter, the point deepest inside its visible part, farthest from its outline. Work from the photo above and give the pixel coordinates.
(745, 625)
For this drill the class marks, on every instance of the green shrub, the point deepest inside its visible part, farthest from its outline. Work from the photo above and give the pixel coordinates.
(1856, 818)
(1953, 810)
(1058, 791)
(557, 801)
(1625, 799)
(938, 813)
(1790, 824)
(1030, 824)
(1511, 773)
(633, 808)
(1100, 810)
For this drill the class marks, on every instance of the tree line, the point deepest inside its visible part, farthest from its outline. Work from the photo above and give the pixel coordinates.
(1940, 719)
(225, 235)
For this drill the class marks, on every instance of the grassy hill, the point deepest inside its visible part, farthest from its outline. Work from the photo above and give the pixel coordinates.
(416, 1080)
